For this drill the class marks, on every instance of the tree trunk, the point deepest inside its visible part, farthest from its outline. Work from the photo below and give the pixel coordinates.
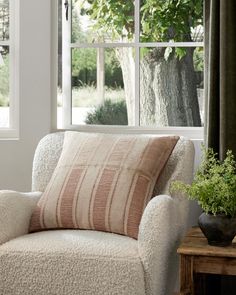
(125, 56)
(168, 91)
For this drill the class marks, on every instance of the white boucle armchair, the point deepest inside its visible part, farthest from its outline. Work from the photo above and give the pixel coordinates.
(73, 262)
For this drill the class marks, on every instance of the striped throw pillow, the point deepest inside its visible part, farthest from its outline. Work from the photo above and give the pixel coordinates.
(102, 182)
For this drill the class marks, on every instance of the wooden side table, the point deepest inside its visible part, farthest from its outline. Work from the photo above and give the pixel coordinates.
(197, 257)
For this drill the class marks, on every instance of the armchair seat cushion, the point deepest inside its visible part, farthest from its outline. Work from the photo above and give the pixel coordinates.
(71, 262)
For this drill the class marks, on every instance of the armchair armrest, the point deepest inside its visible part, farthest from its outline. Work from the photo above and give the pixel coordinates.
(15, 213)
(159, 235)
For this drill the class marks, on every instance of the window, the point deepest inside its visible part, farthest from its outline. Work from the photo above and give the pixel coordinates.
(135, 63)
(8, 68)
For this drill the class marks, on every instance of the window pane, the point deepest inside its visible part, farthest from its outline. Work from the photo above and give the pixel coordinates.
(171, 87)
(98, 95)
(59, 67)
(179, 21)
(4, 86)
(101, 21)
(4, 20)
(84, 80)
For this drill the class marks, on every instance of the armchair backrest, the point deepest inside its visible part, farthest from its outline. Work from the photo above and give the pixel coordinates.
(178, 167)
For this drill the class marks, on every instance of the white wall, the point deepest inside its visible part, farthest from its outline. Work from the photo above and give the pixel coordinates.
(16, 155)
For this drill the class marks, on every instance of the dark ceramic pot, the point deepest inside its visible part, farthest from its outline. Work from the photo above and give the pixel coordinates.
(218, 229)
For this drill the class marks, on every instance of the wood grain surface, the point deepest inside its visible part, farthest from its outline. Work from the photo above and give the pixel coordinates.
(205, 269)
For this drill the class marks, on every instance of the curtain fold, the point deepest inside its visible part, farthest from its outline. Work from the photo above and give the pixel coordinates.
(220, 75)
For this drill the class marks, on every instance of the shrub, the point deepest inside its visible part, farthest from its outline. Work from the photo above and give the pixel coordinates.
(4, 101)
(109, 113)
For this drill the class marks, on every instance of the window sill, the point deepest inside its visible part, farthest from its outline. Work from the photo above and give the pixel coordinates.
(9, 134)
(189, 132)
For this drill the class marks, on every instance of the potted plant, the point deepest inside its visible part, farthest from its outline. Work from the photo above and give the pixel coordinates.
(214, 187)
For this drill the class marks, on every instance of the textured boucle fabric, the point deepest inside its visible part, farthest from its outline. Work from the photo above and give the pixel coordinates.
(15, 213)
(71, 262)
(46, 157)
(164, 223)
(45, 263)
(157, 245)
(179, 167)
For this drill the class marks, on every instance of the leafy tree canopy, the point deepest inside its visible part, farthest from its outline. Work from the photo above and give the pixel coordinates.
(160, 20)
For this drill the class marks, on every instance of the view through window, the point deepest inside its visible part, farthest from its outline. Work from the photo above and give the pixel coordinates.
(134, 63)
(4, 63)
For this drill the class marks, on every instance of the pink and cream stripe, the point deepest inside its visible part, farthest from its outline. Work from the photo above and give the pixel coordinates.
(102, 182)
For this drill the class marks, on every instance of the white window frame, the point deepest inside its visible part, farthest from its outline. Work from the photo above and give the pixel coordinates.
(191, 132)
(12, 132)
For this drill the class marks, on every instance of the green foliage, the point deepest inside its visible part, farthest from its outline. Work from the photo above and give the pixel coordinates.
(180, 52)
(109, 113)
(76, 33)
(198, 59)
(163, 20)
(112, 16)
(113, 76)
(84, 67)
(160, 20)
(214, 185)
(84, 60)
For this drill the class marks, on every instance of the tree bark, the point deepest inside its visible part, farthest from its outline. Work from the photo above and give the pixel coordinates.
(125, 56)
(168, 89)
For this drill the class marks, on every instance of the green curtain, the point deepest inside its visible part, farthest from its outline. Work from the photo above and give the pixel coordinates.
(220, 75)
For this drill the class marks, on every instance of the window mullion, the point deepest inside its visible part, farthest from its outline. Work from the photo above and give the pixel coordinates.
(12, 130)
(12, 118)
(134, 93)
(5, 43)
(137, 63)
(141, 45)
(66, 69)
(14, 68)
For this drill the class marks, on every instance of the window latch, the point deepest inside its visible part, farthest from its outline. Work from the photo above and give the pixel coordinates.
(66, 4)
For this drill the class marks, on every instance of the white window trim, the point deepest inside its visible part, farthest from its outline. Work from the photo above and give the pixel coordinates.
(190, 132)
(12, 132)
(54, 63)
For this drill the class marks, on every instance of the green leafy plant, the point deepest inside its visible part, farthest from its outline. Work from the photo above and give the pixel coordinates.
(109, 113)
(214, 185)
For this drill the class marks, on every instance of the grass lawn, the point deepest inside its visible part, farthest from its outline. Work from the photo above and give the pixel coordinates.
(87, 96)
